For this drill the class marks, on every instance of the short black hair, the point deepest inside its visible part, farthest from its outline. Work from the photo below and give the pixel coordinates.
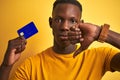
(75, 2)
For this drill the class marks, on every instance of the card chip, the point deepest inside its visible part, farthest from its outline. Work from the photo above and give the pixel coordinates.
(22, 34)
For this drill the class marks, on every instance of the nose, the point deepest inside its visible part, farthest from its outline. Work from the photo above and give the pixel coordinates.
(64, 26)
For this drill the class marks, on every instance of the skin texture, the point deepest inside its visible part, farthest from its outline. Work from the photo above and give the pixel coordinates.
(63, 23)
(66, 21)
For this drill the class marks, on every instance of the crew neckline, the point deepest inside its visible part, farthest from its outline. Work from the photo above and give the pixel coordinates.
(63, 55)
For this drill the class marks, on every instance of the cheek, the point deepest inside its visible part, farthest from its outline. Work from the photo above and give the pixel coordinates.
(54, 31)
(56, 25)
(55, 28)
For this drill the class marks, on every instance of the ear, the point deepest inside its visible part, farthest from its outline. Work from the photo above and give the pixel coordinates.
(50, 22)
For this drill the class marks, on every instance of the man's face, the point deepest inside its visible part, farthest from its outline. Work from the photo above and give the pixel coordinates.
(64, 17)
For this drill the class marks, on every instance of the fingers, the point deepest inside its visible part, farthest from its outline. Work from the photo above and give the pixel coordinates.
(75, 28)
(18, 44)
(82, 48)
(84, 45)
(77, 52)
(21, 44)
(20, 48)
(75, 35)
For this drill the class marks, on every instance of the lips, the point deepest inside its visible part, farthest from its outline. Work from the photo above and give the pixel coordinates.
(63, 36)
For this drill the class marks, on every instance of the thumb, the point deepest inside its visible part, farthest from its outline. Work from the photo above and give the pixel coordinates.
(84, 46)
(13, 51)
(78, 51)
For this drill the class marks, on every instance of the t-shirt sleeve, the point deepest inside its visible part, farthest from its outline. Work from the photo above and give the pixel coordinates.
(109, 53)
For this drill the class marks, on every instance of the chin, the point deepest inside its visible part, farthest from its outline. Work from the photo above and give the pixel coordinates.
(65, 44)
(62, 43)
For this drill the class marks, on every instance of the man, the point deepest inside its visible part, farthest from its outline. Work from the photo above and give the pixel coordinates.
(65, 60)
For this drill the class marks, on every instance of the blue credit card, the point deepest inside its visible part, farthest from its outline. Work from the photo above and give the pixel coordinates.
(28, 30)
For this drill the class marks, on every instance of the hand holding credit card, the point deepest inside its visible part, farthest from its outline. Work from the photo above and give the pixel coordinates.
(28, 30)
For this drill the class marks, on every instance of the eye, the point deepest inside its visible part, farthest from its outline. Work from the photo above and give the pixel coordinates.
(73, 21)
(58, 20)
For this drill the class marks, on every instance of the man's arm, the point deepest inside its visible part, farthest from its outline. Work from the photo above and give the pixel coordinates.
(115, 62)
(114, 39)
(13, 52)
(92, 33)
(4, 72)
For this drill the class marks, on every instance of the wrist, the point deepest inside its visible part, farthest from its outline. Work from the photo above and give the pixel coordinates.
(97, 33)
(5, 65)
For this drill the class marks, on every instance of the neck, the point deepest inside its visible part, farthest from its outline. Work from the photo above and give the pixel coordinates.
(64, 50)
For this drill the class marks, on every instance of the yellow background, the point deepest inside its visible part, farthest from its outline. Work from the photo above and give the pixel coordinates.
(14, 14)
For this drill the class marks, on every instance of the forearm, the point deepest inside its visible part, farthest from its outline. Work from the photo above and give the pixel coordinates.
(113, 38)
(115, 62)
(4, 72)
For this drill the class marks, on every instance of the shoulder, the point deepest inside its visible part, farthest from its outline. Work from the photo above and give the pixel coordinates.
(104, 50)
(39, 56)
(101, 51)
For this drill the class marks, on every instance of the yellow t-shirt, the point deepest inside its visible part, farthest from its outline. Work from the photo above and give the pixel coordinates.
(90, 64)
